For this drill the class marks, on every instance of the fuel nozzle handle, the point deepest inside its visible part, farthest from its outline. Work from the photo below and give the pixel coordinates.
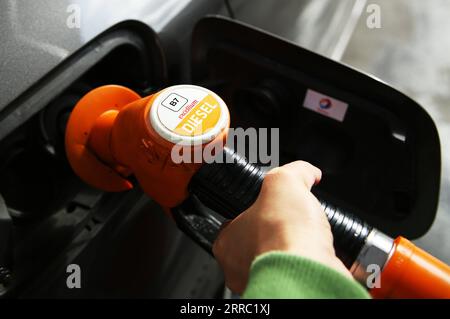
(231, 184)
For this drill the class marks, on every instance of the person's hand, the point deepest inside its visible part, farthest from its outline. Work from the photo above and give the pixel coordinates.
(286, 217)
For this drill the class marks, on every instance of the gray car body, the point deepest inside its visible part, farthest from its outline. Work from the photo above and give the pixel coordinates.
(36, 36)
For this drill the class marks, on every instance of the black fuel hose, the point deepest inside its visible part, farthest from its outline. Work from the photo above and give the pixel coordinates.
(231, 185)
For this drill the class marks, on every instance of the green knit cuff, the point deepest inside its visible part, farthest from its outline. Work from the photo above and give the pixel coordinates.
(281, 275)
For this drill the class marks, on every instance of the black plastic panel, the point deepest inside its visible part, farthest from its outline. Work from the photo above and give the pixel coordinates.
(382, 162)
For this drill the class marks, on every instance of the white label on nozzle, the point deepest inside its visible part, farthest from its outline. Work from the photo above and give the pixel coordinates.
(188, 114)
(174, 102)
(189, 111)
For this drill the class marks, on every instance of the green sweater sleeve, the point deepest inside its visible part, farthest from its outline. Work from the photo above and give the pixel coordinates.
(280, 275)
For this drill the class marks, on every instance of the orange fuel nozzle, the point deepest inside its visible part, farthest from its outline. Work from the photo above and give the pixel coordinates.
(113, 133)
(413, 273)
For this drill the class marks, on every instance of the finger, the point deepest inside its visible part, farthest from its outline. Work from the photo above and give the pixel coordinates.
(307, 173)
(217, 245)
